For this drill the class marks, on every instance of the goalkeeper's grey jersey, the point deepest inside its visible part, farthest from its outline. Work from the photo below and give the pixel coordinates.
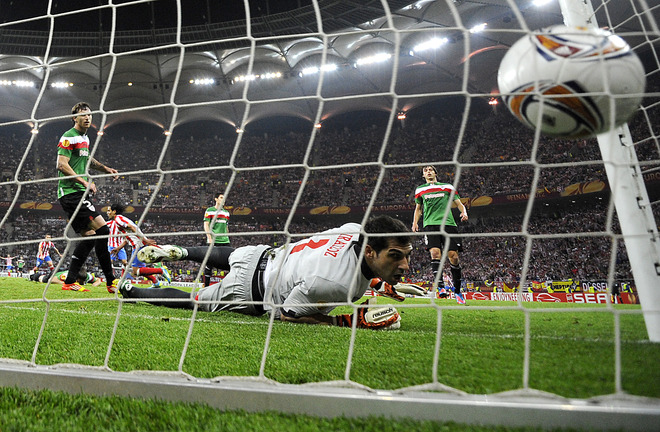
(321, 269)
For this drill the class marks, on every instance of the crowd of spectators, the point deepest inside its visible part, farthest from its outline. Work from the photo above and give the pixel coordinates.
(494, 247)
(496, 155)
(487, 155)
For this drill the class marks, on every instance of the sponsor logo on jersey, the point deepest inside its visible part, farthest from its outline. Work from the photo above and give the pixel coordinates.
(425, 190)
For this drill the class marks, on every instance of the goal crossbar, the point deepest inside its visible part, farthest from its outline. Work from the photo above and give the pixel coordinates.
(513, 409)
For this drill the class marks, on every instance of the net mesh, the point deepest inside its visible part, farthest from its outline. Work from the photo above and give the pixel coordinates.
(257, 109)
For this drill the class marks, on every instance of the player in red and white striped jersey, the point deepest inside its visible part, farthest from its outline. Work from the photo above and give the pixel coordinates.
(127, 232)
(43, 254)
(114, 241)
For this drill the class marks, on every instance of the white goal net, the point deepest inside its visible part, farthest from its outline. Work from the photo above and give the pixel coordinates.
(306, 115)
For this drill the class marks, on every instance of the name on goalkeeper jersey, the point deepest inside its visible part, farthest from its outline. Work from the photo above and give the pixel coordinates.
(338, 245)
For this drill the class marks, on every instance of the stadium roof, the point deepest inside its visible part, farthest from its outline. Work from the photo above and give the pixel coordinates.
(208, 73)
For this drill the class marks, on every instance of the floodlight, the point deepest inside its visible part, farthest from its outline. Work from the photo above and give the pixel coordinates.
(376, 58)
(430, 44)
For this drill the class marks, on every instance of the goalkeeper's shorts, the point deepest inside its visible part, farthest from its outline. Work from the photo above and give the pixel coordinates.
(242, 284)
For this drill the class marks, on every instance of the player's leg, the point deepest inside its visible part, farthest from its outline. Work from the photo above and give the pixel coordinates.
(455, 269)
(165, 273)
(454, 248)
(218, 256)
(150, 273)
(101, 248)
(208, 273)
(122, 257)
(138, 268)
(82, 226)
(80, 254)
(148, 294)
(117, 259)
(434, 242)
(456, 274)
(141, 269)
(436, 258)
(208, 269)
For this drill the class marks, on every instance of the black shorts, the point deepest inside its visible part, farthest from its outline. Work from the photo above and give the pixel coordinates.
(86, 214)
(434, 239)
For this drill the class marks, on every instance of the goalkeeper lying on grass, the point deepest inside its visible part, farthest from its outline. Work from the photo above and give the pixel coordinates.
(301, 282)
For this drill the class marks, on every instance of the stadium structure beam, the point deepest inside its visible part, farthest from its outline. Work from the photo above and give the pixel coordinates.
(631, 199)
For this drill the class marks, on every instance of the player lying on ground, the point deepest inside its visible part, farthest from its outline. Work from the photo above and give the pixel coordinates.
(59, 278)
(302, 279)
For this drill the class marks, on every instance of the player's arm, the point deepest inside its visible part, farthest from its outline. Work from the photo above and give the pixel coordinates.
(121, 246)
(309, 319)
(64, 167)
(372, 318)
(387, 290)
(55, 279)
(207, 230)
(416, 216)
(98, 166)
(138, 232)
(461, 207)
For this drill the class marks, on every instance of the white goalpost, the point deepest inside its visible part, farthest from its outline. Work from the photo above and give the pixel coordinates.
(385, 63)
(631, 200)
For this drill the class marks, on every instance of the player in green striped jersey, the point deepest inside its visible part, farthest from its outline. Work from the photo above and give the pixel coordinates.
(432, 200)
(72, 159)
(216, 219)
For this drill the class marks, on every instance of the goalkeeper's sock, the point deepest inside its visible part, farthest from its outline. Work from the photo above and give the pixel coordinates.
(218, 257)
(146, 294)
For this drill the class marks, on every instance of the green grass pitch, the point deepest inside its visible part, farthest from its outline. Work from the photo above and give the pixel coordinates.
(481, 346)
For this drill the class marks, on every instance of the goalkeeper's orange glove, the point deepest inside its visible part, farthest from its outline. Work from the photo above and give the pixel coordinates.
(372, 318)
(385, 289)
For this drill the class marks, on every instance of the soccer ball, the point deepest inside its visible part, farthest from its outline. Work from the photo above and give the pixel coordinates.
(572, 82)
